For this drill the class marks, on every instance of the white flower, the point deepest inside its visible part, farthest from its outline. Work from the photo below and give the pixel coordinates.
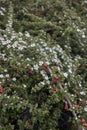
(28, 59)
(27, 65)
(1, 13)
(18, 63)
(65, 75)
(47, 62)
(24, 86)
(13, 37)
(58, 68)
(42, 83)
(48, 82)
(36, 67)
(20, 39)
(21, 47)
(27, 34)
(85, 109)
(44, 44)
(46, 77)
(82, 93)
(32, 45)
(7, 75)
(42, 73)
(78, 30)
(55, 60)
(20, 34)
(41, 50)
(8, 46)
(41, 63)
(6, 104)
(8, 96)
(83, 36)
(50, 50)
(2, 8)
(70, 71)
(14, 97)
(1, 76)
(5, 70)
(14, 79)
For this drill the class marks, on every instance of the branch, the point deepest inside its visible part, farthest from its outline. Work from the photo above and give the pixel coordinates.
(67, 99)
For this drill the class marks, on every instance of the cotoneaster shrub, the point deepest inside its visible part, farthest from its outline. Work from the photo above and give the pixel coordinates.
(28, 94)
(30, 97)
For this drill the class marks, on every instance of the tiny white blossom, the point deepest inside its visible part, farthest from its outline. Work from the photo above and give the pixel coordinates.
(14, 79)
(44, 44)
(14, 97)
(20, 34)
(13, 37)
(83, 36)
(46, 77)
(28, 59)
(70, 71)
(1, 76)
(8, 96)
(20, 47)
(36, 67)
(42, 83)
(2, 8)
(27, 65)
(48, 82)
(7, 75)
(27, 34)
(24, 86)
(65, 75)
(85, 109)
(8, 46)
(55, 60)
(41, 63)
(1, 13)
(32, 45)
(6, 104)
(82, 93)
(47, 62)
(5, 70)
(18, 63)
(78, 30)
(42, 73)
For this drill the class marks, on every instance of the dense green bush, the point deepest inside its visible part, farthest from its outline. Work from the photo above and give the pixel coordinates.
(37, 57)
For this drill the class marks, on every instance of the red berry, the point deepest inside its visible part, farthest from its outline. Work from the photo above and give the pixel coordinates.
(85, 125)
(54, 81)
(82, 120)
(63, 86)
(2, 85)
(9, 85)
(44, 67)
(66, 107)
(1, 90)
(54, 89)
(56, 77)
(79, 107)
(75, 103)
(30, 72)
(9, 78)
